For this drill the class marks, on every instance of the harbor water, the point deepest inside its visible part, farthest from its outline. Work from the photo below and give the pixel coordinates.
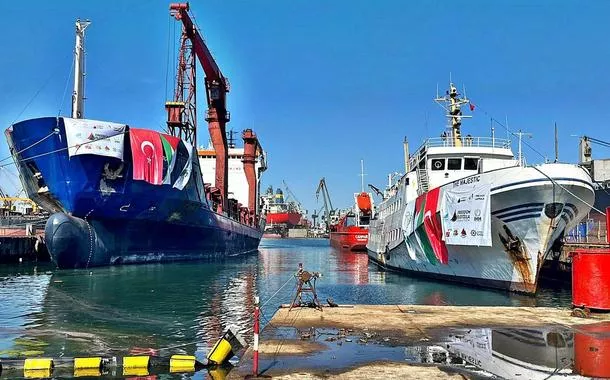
(184, 307)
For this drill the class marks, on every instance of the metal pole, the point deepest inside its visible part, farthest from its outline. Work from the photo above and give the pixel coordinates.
(256, 331)
(607, 224)
(78, 95)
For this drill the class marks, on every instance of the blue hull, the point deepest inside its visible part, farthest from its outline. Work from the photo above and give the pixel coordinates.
(103, 217)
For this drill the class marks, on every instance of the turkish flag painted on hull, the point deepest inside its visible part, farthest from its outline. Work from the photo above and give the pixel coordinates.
(147, 155)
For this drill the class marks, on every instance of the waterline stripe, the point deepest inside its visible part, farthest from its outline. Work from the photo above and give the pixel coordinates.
(543, 180)
(526, 216)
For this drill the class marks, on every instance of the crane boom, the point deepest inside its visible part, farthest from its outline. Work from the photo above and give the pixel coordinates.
(182, 111)
(328, 205)
(291, 194)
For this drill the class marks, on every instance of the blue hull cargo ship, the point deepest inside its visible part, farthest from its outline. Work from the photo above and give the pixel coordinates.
(122, 195)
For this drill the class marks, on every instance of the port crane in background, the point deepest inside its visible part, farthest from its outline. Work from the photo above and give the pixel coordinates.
(8, 203)
(329, 211)
(181, 112)
(584, 148)
(291, 194)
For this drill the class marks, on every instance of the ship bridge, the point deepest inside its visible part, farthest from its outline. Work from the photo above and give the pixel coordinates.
(440, 160)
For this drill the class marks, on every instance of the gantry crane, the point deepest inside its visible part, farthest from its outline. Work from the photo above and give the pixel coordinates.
(181, 112)
(328, 205)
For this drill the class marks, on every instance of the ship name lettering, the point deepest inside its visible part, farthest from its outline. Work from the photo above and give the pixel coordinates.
(467, 181)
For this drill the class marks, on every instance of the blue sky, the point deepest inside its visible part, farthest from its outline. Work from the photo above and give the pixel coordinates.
(327, 83)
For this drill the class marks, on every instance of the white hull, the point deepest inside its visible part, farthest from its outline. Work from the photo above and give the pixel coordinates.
(520, 199)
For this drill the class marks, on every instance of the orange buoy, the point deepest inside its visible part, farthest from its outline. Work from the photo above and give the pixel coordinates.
(592, 350)
(591, 278)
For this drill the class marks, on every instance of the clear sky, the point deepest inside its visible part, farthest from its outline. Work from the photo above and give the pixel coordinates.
(327, 83)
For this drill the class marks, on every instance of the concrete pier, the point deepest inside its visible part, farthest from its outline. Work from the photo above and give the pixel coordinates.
(413, 341)
(22, 244)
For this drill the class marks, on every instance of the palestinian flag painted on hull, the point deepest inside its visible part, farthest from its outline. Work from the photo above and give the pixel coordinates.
(428, 230)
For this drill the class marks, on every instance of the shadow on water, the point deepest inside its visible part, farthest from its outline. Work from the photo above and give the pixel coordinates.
(146, 308)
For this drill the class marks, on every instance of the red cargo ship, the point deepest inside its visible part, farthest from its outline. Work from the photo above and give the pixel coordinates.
(281, 215)
(352, 230)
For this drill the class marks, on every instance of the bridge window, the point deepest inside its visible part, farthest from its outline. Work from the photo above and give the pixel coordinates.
(438, 164)
(471, 163)
(454, 164)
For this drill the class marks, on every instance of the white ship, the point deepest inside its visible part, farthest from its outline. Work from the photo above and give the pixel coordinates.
(468, 211)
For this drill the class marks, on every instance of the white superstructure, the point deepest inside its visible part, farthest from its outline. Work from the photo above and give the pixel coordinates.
(238, 184)
(467, 210)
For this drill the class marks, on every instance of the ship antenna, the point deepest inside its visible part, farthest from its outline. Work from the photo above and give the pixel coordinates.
(453, 102)
(78, 95)
(362, 176)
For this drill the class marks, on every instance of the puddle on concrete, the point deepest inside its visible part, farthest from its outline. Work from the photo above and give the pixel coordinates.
(509, 353)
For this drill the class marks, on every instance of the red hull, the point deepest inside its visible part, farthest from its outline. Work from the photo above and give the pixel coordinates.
(352, 238)
(289, 218)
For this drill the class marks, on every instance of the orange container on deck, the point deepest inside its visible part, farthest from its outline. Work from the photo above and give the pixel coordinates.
(592, 350)
(591, 278)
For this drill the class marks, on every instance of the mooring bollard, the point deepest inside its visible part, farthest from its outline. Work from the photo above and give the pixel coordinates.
(256, 331)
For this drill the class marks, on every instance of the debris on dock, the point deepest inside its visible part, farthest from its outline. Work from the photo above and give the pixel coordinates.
(409, 341)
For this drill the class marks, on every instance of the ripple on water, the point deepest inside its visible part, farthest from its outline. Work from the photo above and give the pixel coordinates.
(125, 308)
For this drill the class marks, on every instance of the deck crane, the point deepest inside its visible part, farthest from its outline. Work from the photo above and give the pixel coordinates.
(328, 205)
(292, 195)
(585, 151)
(181, 112)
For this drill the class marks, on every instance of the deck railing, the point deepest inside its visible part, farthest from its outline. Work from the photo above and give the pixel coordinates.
(466, 142)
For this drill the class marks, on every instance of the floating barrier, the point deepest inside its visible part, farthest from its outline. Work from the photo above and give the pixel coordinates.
(229, 345)
(97, 366)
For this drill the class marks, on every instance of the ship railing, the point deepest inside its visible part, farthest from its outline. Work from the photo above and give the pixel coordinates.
(465, 142)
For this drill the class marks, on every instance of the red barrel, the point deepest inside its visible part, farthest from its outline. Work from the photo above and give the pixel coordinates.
(591, 278)
(592, 350)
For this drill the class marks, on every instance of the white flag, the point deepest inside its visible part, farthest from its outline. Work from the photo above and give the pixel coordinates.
(101, 138)
(185, 175)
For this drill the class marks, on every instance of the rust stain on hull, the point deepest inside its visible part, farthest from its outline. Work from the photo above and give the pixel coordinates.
(517, 252)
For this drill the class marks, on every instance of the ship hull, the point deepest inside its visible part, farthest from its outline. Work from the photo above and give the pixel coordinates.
(287, 218)
(522, 231)
(76, 243)
(102, 216)
(351, 238)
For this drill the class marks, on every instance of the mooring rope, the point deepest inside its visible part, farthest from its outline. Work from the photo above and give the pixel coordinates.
(28, 147)
(569, 192)
(60, 149)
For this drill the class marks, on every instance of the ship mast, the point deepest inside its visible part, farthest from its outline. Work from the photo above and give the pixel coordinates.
(78, 95)
(452, 102)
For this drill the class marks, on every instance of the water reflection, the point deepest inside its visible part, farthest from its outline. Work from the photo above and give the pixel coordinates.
(187, 305)
(133, 309)
(592, 350)
(529, 353)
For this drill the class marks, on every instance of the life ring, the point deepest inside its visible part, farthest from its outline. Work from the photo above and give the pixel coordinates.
(438, 164)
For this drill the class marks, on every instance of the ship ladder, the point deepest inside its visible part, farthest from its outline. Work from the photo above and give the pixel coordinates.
(422, 181)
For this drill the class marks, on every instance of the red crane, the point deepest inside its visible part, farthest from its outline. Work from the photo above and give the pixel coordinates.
(181, 113)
